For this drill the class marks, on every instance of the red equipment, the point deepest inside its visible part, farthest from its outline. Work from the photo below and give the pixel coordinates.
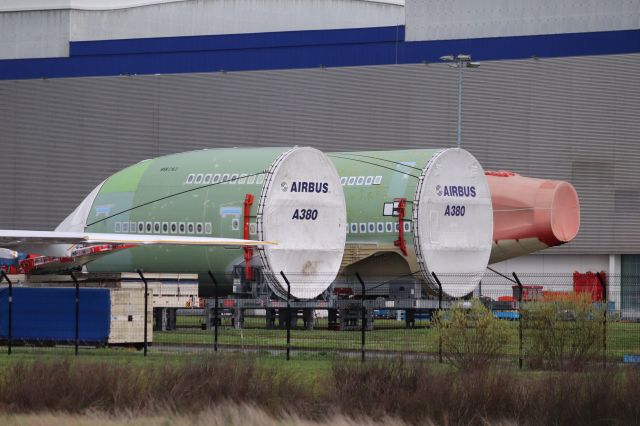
(400, 210)
(590, 284)
(248, 251)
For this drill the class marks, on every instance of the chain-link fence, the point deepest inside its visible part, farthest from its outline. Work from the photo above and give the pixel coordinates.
(530, 320)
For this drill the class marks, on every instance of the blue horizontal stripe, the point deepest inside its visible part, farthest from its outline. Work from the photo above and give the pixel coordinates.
(227, 60)
(302, 49)
(522, 47)
(237, 41)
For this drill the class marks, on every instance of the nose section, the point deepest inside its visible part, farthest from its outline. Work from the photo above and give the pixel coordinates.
(523, 207)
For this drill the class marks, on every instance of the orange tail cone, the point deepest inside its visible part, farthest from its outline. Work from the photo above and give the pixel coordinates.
(530, 214)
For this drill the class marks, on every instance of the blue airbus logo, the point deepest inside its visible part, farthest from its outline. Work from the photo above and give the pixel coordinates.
(456, 191)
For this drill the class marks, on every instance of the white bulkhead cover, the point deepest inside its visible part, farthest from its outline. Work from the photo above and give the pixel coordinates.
(453, 220)
(302, 207)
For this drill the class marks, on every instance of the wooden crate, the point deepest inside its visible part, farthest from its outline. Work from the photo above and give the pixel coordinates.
(127, 316)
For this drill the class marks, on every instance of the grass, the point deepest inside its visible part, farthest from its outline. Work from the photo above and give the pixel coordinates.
(225, 415)
(413, 392)
(307, 370)
(388, 335)
(226, 389)
(622, 338)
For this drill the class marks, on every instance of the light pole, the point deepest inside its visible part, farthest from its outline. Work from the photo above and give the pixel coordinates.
(460, 61)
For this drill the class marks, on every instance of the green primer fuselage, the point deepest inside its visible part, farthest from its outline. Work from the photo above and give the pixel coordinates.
(180, 194)
(371, 180)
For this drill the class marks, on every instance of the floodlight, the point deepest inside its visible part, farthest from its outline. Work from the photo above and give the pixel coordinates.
(460, 61)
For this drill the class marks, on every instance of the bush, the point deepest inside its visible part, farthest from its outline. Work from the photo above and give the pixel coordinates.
(472, 338)
(417, 394)
(562, 335)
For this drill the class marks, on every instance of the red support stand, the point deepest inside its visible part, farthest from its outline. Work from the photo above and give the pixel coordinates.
(248, 251)
(400, 210)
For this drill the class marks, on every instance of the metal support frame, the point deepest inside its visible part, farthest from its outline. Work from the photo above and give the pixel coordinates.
(520, 357)
(248, 251)
(400, 210)
(288, 317)
(435, 277)
(77, 331)
(215, 313)
(10, 318)
(146, 303)
(604, 318)
(364, 317)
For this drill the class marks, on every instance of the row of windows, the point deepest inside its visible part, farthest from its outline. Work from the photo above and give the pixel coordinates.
(200, 228)
(377, 227)
(360, 180)
(206, 228)
(243, 178)
(164, 228)
(224, 178)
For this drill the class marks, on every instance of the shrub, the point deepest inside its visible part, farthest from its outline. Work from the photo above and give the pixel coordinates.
(472, 338)
(565, 334)
(417, 394)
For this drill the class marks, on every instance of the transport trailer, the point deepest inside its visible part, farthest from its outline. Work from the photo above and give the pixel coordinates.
(342, 314)
(401, 298)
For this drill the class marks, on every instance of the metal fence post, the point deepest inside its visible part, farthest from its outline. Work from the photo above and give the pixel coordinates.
(515, 277)
(77, 341)
(288, 317)
(364, 317)
(146, 304)
(604, 319)
(215, 313)
(435, 277)
(10, 318)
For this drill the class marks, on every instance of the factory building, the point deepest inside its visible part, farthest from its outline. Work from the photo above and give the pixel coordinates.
(88, 87)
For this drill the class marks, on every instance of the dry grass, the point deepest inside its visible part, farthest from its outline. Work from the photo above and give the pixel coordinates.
(227, 390)
(226, 415)
(413, 392)
(63, 386)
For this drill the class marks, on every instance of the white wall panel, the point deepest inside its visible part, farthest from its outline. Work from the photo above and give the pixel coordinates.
(554, 264)
(461, 19)
(47, 33)
(34, 34)
(204, 17)
(21, 5)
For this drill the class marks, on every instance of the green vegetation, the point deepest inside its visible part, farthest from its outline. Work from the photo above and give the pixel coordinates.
(564, 334)
(472, 337)
(387, 336)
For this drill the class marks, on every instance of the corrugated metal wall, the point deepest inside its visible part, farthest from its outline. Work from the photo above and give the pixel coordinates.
(576, 119)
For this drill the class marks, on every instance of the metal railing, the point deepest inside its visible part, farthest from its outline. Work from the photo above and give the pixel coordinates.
(542, 319)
